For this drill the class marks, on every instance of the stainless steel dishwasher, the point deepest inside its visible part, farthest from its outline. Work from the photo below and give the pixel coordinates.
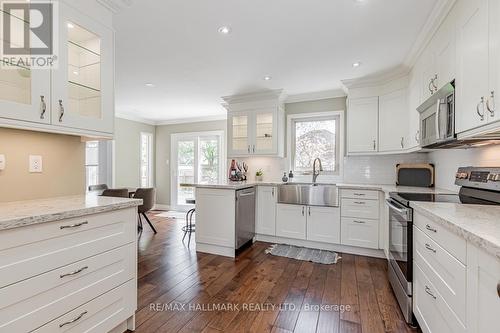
(245, 216)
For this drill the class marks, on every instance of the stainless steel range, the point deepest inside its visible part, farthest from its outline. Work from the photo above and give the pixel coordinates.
(478, 186)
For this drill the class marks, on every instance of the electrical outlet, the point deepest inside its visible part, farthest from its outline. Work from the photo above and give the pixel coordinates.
(2, 162)
(36, 164)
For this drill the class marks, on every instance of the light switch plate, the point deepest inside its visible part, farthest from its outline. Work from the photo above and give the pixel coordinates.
(2, 162)
(35, 164)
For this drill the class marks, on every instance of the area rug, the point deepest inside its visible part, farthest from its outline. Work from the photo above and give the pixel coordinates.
(304, 254)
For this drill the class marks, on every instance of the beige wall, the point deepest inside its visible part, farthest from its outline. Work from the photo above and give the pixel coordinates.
(63, 165)
(127, 152)
(163, 134)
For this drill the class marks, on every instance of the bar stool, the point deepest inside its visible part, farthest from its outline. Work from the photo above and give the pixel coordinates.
(189, 227)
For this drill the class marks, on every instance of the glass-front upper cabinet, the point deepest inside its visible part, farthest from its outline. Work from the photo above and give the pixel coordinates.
(239, 134)
(265, 129)
(83, 88)
(24, 91)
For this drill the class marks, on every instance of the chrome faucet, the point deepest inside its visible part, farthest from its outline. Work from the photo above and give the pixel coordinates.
(316, 172)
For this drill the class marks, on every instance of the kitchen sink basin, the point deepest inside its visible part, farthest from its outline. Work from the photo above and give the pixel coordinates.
(309, 194)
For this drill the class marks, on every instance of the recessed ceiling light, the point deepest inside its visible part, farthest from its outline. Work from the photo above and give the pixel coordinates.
(71, 26)
(224, 30)
(150, 85)
(267, 78)
(356, 64)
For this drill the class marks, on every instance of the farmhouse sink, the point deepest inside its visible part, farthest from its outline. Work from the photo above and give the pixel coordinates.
(309, 194)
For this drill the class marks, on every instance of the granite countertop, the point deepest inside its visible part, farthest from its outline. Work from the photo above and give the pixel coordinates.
(377, 187)
(478, 224)
(23, 213)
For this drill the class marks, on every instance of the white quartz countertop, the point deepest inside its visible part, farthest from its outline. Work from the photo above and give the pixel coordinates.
(377, 187)
(478, 224)
(23, 213)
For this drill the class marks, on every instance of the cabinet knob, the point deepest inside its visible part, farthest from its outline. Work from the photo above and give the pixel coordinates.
(417, 136)
(302, 210)
(402, 142)
(61, 110)
(43, 107)
(478, 109)
(491, 105)
(434, 83)
(374, 145)
(498, 289)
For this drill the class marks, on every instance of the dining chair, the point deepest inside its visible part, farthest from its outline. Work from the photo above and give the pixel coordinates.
(115, 192)
(148, 196)
(99, 187)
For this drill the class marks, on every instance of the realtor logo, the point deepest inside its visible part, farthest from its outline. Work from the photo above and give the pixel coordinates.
(28, 34)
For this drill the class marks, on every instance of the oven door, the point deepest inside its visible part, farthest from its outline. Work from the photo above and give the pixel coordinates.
(400, 243)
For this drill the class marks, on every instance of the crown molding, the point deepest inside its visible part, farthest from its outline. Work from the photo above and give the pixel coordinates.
(376, 79)
(116, 6)
(191, 120)
(314, 96)
(259, 95)
(135, 118)
(434, 21)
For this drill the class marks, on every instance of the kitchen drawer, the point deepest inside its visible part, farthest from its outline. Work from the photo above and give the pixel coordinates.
(101, 314)
(368, 209)
(360, 194)
(451, 242)
(431, 310)
(36, 249)
(359, 232)
(31, 303)
(446, 273)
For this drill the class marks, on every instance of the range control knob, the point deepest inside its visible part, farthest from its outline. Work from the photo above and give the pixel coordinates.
(462, 175)
(494, 177)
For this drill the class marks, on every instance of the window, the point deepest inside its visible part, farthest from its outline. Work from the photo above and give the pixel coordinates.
(92, 163)
(146, 159)
(315, 136)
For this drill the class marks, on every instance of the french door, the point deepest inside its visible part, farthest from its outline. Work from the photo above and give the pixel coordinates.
(195, 158)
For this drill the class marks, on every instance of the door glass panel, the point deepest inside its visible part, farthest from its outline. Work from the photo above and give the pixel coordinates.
(209, 160)
(15, 79)
(264, 131)
(185, 170)
(240, 133)
(84, 72)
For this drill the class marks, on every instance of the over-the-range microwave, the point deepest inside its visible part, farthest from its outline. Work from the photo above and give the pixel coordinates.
(437, 118)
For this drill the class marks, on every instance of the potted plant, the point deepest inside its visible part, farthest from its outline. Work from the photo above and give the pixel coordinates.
(259, 175)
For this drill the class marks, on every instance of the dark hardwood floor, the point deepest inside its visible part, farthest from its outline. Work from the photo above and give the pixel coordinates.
(184, 291)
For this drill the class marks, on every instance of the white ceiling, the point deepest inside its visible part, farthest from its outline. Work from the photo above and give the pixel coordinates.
(305, 45)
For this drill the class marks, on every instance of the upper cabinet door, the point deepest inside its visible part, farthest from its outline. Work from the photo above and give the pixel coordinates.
(24, 92)
(414, 116)
(265, 133)
(494, 55)
(472, 74)
(239, 132)
(362, 129)
(393, 121)
(445, 50)
(83, 83)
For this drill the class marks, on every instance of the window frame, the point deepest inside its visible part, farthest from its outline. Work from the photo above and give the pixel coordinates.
(150, 159)
(339, 146)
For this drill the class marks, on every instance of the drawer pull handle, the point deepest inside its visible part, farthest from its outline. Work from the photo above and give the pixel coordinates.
(428, 247)
(73, 320)
(428, 227)
(359, 194)
(428, 290)
(75, 272)
(359, 222)
(498, 289)
(359, 202)
(73, 225)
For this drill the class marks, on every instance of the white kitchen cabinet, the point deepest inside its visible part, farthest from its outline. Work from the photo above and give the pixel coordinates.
(473, 62)
(483, 285)
(82, 85)
(360, 232)
(266, 210)
(362, 129)
(393, 121)
(445, 50)
(323, 224)
(76, 96)
(414, 101)
(494, 61)
(291, 221)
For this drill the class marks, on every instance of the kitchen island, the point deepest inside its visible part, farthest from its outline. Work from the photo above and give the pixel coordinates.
(68, 262)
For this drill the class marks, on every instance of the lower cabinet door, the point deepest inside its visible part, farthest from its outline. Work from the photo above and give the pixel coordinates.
(291, 221)
(360, 232)
(266, 210)
(323, 224)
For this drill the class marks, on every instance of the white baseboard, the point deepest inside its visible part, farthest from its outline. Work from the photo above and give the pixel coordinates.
(322, 246)
(215, 249)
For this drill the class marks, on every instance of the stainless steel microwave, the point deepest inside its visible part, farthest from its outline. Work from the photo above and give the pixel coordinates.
(437, 118)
